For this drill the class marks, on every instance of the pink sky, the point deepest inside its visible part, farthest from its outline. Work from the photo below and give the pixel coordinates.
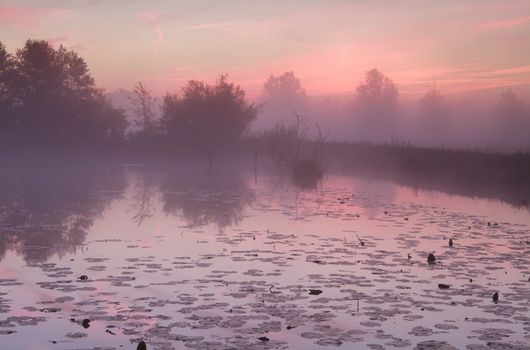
(461, 45)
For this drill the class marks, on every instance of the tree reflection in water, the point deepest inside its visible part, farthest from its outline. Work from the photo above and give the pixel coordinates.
(202, 198)
(49, 210)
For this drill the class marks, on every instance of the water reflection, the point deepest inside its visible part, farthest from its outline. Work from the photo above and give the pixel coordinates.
(145, 186)
(474, 187)
(203, 198)
(48, 211)
(272, 263)
(306, 175)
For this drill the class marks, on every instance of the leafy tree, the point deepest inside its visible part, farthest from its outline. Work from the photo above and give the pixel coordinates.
(7, 94)
(377, 94)
(283, 88)
(280, 96)
(375, 106)
(56, 101)
(207, 115)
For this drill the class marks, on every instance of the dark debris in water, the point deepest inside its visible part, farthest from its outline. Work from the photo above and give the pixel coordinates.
(242, 287)
(434, 345)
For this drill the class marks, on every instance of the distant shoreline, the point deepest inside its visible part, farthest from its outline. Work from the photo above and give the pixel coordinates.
(470, 173)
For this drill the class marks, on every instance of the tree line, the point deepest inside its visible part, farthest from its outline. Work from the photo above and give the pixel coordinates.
(374, 113)
(48, 98)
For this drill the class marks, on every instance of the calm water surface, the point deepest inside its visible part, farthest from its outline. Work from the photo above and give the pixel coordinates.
(185, 259)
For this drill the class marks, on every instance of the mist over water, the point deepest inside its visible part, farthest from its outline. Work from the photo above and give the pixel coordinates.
(495, 119)
(264, 175)
(106, 255)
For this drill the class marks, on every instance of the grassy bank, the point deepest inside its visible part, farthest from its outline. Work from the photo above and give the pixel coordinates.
(466, 172)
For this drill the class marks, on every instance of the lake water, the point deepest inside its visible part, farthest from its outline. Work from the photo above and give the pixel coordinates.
(188, 259)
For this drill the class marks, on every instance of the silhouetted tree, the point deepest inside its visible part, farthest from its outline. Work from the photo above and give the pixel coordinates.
(55, 99)
(375, 106)
(207, 115)
(7, 94)
(513, 119)
(144, 105)
(511, 107)
(435, 115)
(281, 95)
(377, 92)
(283, 88)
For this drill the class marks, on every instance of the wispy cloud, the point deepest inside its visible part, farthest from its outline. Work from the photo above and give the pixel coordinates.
(69, 42)
(33, 17)
(508, 23)
(216, 25)
(152, 18)
(513, 70)
(82, 45)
